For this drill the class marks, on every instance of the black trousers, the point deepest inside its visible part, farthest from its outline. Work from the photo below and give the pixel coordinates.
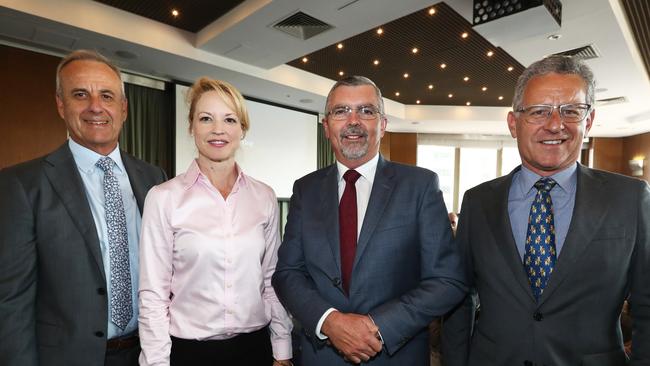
(248, 349)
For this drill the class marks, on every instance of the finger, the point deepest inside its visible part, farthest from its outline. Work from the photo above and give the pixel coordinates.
(376, 345)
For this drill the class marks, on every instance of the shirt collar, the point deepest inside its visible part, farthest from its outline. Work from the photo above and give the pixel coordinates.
(86, 158)
(566, 179)
(193, 174)
(367, 170)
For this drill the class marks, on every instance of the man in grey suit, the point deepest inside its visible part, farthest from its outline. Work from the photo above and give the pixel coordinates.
(365, 266)
(553, 248)
(69, 229)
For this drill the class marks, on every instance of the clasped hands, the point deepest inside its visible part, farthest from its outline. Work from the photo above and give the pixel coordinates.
(353, 335)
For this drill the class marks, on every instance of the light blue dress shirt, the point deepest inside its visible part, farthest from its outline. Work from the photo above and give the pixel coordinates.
(522, 193)
(93, 180)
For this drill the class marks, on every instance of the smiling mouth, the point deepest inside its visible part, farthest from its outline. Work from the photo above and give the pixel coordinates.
(218, 143)
(96, 123)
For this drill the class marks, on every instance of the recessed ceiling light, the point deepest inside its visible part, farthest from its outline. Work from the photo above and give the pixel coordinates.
(442, 66)
(380, 31)
(305, 59)
(339, 46)
(490, 53)
(466, 78)
(414, 50)
(464, 35)
(510, 68)
(406, 75)
(432, 11)
(430, 86)
(554, 37)
(450, 95)
(417, 101)
(175, 13)
(397, 94)
(376, 62)
(500, 97)
(484, 88)
(341, 73)
(468, 103)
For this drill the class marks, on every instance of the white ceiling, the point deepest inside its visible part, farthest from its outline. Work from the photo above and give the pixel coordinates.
(243, 49)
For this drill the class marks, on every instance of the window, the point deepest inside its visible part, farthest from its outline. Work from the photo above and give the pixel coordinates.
(477, 165)
(440, 159)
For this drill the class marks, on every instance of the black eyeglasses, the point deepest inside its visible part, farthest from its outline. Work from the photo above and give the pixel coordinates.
(569, 113)
(343, 112)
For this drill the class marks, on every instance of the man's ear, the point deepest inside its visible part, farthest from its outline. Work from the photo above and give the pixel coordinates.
(512, 124)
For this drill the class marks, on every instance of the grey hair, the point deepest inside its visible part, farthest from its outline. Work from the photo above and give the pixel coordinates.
(356, 80)
(85, 55)
(559, 65)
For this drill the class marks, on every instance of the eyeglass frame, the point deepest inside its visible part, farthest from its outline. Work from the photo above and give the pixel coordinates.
(357, 109)
(559, 108)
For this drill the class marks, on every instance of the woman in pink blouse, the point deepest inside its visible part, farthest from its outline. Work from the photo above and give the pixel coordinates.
(208, 249)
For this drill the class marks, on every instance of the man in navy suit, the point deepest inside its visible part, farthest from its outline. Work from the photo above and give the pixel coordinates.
(365, 266)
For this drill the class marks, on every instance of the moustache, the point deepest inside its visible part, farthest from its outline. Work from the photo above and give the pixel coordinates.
(353, 130)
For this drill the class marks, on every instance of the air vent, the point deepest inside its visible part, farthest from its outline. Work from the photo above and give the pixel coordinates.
(301, 25)
(584, 53)
(609, 101)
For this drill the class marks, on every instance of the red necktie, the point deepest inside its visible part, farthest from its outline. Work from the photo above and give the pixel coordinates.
(348, 226)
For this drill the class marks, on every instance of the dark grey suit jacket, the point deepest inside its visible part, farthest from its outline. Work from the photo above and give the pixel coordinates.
(605, 257)
(53, 304)
(407, 269)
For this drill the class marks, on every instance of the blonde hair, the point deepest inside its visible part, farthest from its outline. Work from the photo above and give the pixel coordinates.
(228, 93)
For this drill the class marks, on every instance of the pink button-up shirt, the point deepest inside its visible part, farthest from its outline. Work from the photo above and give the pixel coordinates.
(206, 264)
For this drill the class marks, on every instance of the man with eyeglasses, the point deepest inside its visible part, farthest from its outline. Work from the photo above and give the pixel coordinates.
(553, 248)
(367, 259)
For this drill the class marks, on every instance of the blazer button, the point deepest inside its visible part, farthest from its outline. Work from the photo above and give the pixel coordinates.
(99, 334)
(336, 282)
(101, 291)
(538, 316)
(528, 363)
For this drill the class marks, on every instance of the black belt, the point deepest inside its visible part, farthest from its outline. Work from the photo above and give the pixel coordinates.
(123, 343)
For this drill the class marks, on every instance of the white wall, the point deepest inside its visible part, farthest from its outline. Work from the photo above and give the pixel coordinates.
(279, 148)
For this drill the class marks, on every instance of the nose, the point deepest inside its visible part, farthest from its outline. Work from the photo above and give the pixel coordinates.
(95, 103)
(554, 122)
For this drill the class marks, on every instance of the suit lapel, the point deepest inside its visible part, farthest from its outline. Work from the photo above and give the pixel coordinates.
(135, 178)
(382, 188)
(588, 215)
(61, 171)
(496, 212)
(329, 207)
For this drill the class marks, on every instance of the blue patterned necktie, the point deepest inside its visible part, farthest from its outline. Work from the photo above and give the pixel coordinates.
(540, 256)
(118, 247)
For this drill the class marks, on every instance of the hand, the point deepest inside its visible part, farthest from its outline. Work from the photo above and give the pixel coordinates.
(282, 363)
(353, 335)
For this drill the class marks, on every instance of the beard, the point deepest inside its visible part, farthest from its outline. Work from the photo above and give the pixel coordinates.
(354, 149)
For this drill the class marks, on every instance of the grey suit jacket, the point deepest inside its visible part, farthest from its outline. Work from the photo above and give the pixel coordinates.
(606, 256)
(53, 304)
(406, 271)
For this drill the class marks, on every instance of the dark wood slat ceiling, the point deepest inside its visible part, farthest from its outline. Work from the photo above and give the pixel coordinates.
(193, 15)
(438, 39)
(637, 13)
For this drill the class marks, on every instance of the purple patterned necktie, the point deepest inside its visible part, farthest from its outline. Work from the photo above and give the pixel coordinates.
(118, 247)
(540, 256)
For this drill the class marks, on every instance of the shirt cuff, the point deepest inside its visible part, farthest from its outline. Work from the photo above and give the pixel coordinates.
(320, 335)
(378, 331)
(282, 349)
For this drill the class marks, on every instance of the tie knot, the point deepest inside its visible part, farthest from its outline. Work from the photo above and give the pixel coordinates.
(545, 184)
(105, 164)
(351, 176)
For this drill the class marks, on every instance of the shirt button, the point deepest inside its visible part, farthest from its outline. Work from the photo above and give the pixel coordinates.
(229, 260)
(229, 285)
